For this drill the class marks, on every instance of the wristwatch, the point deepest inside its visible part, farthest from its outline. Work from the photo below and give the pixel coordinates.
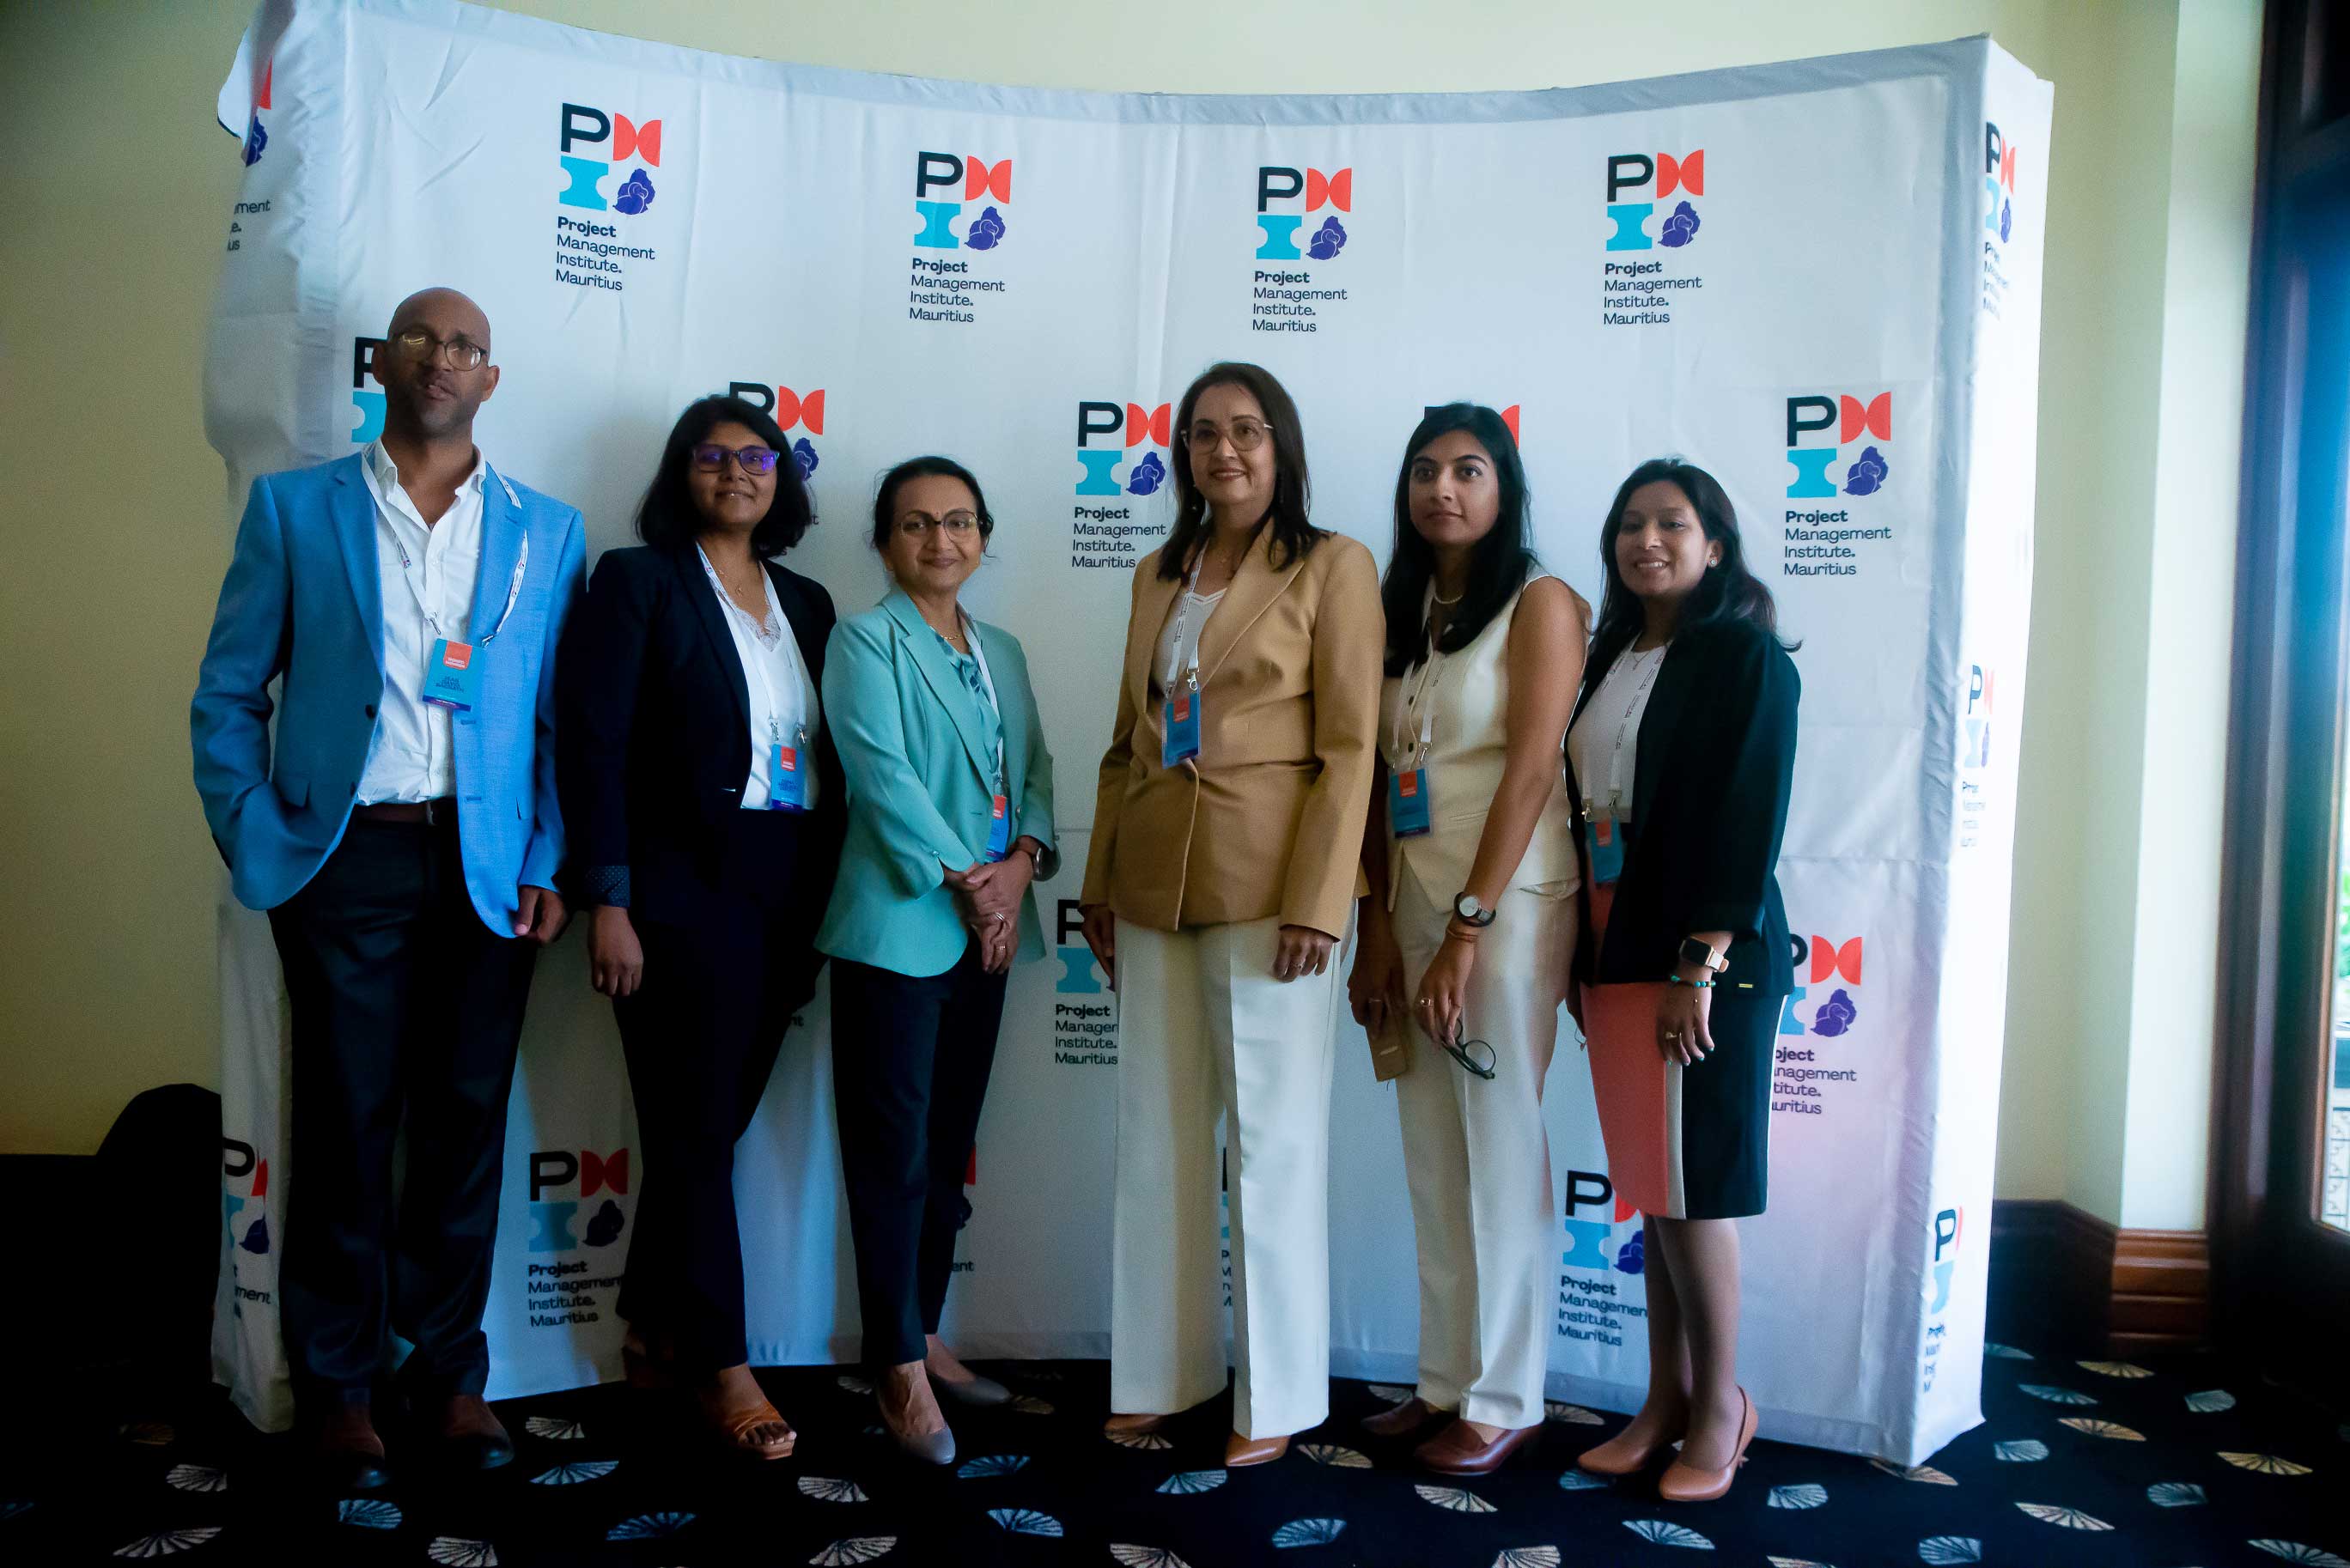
(1471, 912)
(1697, 953)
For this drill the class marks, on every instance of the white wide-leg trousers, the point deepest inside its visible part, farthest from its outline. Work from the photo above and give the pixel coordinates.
(1477, 1161)
(1204, 1031)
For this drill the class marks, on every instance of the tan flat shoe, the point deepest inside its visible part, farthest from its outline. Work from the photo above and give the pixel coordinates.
(1684, 1482)
(1240, 1452)
(1120, 1423)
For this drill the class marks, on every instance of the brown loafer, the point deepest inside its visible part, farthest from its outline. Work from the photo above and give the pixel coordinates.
(471, 1435)
(1457, 1451)
(1116, 1425)
(345, 1451)
(1684, 1482)
(1402, 1420)
(1240, 1452)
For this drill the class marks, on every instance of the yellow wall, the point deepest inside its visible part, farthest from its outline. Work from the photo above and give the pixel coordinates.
(119, 183)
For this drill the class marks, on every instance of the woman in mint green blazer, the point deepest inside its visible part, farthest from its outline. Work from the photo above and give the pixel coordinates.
(949, 819)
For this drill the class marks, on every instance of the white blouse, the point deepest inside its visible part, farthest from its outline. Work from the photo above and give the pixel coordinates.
(783, 700)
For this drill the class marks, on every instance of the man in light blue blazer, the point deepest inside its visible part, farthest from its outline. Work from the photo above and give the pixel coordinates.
(401, 830)
(950, 820)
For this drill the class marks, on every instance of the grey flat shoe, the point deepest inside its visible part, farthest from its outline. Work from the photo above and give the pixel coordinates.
(978, 1393)
(930, 1448)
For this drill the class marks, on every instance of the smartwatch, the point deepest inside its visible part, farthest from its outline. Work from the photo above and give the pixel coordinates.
(1697, 953)
(1471, 912)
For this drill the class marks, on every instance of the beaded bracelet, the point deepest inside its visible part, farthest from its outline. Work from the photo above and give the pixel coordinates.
(1692, 985)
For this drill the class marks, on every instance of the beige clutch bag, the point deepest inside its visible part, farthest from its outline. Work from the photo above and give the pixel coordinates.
(1391, 1049)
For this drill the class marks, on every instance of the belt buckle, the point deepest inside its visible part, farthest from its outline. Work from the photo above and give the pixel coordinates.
(432, 814)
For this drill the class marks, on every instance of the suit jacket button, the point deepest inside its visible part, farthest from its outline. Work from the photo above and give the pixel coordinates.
(370, 710)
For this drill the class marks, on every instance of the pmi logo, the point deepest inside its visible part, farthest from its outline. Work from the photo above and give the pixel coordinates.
(1823, 961)
(256, 138)
(552, 1219)
(945, 171)
(1509, 418)
(1318, 191)
(624, 141)
(1949, 1227)
(1999, 184)
(788, 409)
(1977, 718)
(1851, 420)
(1080, 975)
(239, 1163)
(1591, 1240)
(367, 401)
(1120, 428)
(1661, 175)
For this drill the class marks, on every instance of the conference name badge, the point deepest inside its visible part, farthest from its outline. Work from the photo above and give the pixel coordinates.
(790, 790)
(451, 679)
(1182, 741)
(999, 829)
(1408, 802)
(1604, 837)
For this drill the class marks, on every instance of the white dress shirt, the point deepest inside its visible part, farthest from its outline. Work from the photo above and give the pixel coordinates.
(785, 706)
(428, 574)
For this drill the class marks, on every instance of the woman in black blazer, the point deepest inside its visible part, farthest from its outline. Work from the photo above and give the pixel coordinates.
(1680, 754)
(704, 807)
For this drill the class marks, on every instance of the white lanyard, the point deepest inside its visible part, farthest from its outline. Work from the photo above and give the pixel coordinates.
(987, 683)
(1182, 618)
(1419, 697)
(759, 655)
(1624, 727)
(408, 566)
(513, 587)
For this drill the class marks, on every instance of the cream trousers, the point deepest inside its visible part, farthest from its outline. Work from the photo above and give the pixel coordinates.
(1478, 1163)
(1205, 1031)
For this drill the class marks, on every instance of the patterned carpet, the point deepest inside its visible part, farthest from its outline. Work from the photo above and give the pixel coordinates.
(2176, 1463)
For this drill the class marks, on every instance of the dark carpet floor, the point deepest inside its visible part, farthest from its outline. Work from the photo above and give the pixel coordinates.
(2179, 1462)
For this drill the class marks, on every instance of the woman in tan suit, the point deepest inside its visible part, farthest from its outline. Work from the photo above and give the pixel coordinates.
(1220, 880)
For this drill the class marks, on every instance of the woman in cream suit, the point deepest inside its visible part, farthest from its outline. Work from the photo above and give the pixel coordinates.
(1226, 837)
(1468, 929)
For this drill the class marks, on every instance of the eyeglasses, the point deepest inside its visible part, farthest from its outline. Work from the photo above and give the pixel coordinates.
(1247, 435)
(958, 524)
(457, 353)
(710, 457)
(1466, 1052)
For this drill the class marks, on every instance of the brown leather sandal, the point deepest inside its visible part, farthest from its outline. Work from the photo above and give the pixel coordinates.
(732, 1425)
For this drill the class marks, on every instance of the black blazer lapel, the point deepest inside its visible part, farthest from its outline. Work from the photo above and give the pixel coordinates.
(702, 595)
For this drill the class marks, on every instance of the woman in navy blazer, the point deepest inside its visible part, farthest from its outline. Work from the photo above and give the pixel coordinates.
(707, 806)
(949, 819)
(1682, 755)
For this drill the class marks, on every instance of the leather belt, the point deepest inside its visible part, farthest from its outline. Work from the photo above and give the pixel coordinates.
(432, 811)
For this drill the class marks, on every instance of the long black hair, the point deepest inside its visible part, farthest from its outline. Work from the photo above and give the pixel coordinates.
(667, 519)
(1497, 564)
(1292, 536)
(884, 495)
(1727, 593)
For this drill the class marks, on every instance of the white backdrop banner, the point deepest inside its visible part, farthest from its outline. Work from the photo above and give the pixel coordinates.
(1821, 280)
